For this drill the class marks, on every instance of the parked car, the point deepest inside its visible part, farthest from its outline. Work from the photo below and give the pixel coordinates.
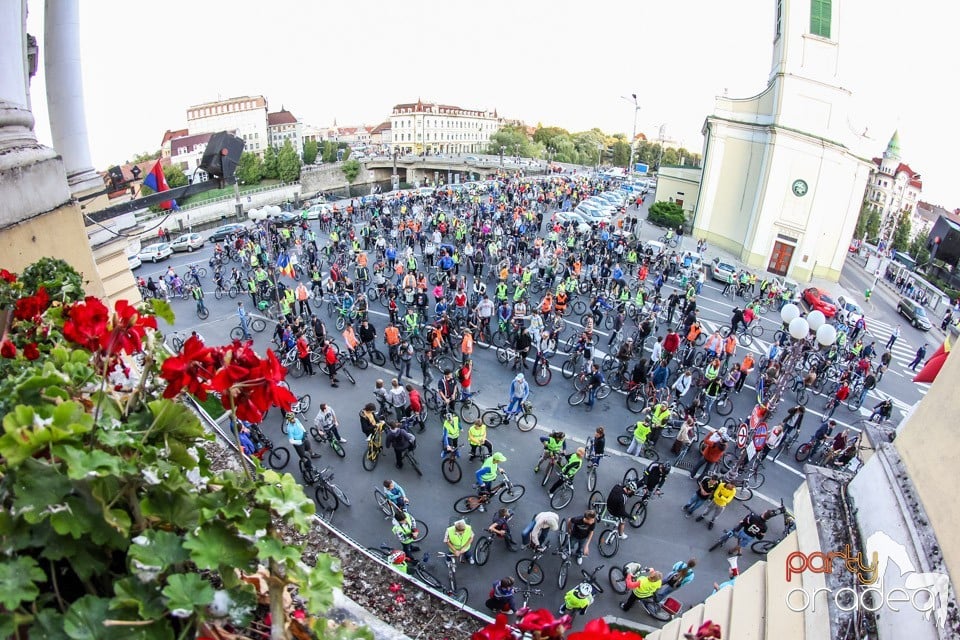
(285, 219)
(820, 300)
(227, 230)
(848, 312)
(654, 248)
(317, 210)
(570, 216)
(134, 261)
(187, 242)
(914, 313)
(155, 252)
(722, 271)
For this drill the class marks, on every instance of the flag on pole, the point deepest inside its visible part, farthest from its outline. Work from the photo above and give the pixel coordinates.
(158, 182)
(283, 262)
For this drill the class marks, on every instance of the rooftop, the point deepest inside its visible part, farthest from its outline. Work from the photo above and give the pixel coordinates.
(281, 117)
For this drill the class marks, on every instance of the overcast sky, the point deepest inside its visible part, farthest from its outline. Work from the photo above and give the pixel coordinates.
(555, 62)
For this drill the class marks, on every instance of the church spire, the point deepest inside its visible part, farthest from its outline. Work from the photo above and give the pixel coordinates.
(893, 147)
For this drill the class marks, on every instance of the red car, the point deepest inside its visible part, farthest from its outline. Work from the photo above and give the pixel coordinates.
(819, 300)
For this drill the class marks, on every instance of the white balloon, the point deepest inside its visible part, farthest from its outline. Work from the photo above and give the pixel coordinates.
(789, 312)
(826, 335)
(816, 319)
(799, 328)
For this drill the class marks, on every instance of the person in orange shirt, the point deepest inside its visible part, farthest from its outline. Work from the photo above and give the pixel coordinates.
(693, 333)
(391, 335)
(350, 337)
(745, 368)
(546, 305)
(644, 272)
(466, 345)
(729, 348)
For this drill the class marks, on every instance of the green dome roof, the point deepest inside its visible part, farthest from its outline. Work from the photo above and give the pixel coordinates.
(893, 147)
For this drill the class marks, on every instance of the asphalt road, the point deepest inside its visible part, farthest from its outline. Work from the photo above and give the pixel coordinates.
(665, 538)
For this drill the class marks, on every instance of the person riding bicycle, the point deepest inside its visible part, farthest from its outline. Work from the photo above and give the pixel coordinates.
(660, 414)
(326, 422)
(554, 446)
(883, 410)
(406, 530)
(569, 469)
(500, 527)
(451, 431)
(654, 477)
(488, 472)
(578, 599)
(752, 527)
(643, 588)
(823, 433)
(395, 494)
(296, 435)
(617, 504)
(501, 597)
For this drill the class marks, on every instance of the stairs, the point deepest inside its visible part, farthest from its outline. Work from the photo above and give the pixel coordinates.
(755, 607)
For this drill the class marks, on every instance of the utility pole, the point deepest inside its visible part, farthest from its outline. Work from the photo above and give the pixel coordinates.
(636, 111)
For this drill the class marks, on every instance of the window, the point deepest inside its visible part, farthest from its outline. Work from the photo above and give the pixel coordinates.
(778, 27)
(820, 13)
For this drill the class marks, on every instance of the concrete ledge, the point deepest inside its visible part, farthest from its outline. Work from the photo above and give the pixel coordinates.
(346, 611)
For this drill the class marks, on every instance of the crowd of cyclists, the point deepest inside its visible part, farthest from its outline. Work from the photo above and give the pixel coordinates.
(491, 266)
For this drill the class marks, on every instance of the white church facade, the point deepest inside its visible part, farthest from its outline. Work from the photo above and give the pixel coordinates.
(780, 186)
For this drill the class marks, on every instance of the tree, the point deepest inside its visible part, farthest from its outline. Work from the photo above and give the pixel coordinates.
(270, 169)
(918, 248)
(250, 168)
(328, 151)
(666, 214)
(513, 140)
(343, 146)
(861, 227)
(901, 235)
(670, 157)
(873, 225)
(621, 153)
(351, 169)
(143, 157)
(288, 163)
(310, 150)
(175, 176)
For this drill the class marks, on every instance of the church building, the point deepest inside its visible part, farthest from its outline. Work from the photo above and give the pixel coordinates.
(780, 186)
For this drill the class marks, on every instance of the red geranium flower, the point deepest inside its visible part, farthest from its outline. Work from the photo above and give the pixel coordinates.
(6, 275)
(32, 306)
(252, 383)
(597, 629)
(86, 323)
(30, 352)
(190, 369)
(129, 328)
(7, 349)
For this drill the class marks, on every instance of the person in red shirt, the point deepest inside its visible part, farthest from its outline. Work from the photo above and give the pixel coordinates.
(416, 406)
(303, 352)
(465, 376)
(671, 342)
(330, 357)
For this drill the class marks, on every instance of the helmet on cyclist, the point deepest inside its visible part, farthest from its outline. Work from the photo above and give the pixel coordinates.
(499, 457)
(398, 557)
(290, 415)
(584, 590)
(666, 467)
(631, 487)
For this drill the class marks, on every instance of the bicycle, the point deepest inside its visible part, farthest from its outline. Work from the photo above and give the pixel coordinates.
(662, 611)
(482, 551)
(671, 241)
(588, 577)
(788, 441)
(565, 551)
(542, 374)
(370, 350)
(728, 533)
(506, 490)
(638, 512)
(563, 494)
(276, 457)
(257, 325)
(322, 436)
(609, 541)
(580, 396)
(528, 569)
(762, 547)
(391, 509)
(592, 459)
(374, 448)
(450, 465)
(649, 450)
(416, 570)
(409, 457)
(526, 420)
(809, 451)
(459, 594)
(327, 493)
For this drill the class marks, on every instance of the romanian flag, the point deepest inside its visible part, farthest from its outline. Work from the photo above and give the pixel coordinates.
(286, 268)
(158, 182)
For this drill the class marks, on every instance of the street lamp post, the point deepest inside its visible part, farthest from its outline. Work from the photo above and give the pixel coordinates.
(599, 153)
(502, 148)
(636, 111)
(806, 333)
(660, 134)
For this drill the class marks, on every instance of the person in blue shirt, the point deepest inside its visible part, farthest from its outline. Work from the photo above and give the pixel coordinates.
(519, 392)
(245, 442)
(680, 574)
(659, 376)
(296, 435)
(446, 262)
(396, 494)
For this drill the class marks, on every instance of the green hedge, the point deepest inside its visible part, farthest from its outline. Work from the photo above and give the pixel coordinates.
(666, 214)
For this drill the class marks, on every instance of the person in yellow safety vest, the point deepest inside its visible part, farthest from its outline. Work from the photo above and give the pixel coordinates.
(405, 528)
(578, 599)
(477, 438)
(526, 277)
(398, 561)
(646, 587)
(640, 433)
(458, 539)
(722, 496)
(659, 415)
(553, 446)
(488, 471)
(713, 370)
(520, 292)
(502, 291)
(569, 469)
(451, 431)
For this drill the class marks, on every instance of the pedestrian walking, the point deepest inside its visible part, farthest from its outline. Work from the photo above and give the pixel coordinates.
(893, 337)
(921, 354)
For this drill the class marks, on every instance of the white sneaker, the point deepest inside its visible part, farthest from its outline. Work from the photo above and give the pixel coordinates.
(623, 536)
(580, 560)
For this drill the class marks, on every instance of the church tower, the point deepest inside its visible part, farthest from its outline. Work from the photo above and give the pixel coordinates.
(780, 187)
(891, 157)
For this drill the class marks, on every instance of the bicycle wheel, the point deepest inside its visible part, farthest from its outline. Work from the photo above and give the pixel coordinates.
(656, 611)
(609, 543)
(562, 573)
(762, 546)
(803, 452)
(724, 406)
(482, 553)
(383, 502)
(526, 422)
(337, 447)
(542, 374)
(409, 457)
(624, 440)
(341, 496)
(603, 391)
(341, 323)
(235, 334)
(460, 595)
(756, 330)
(258, 325)
(502, 356)
(349, 375)
(562, 496)
(278, 457)
(755, 480)
(802, 396)
(432, 399)
(203, 313)
(451, 470)
(576, 398)
(491, 418)
(500, 339)
(636, 401)
(469, 412)
(177, 343)
(361, 363)
(218, 293)
(233, 292)
(568, 369)
(579, 307)
(631, 475)
(722, 539)
(371, 458)
(854, 402)
(512, 494)
(591, 478)
(744, 493)
(638, 515)
(618, 579)
(421, 531)
(596, 501)
(326, 498)
(467, 504)
(529, 571)
(745, 339)
(427, 578)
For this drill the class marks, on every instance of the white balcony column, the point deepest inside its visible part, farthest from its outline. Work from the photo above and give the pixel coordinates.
(64, 79)
(16, 120)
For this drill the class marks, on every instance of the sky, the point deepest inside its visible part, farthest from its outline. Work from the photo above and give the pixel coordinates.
(558, 63)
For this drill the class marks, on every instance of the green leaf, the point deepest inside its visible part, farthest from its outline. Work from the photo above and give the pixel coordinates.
(175, 420)
(243, 604)
(17, 581)
(316, 584)
(162, 309)
(85, 559)
(84, 620)
(160, 549)
(38, 485)
(255, 522)
(87, 464)
(76, 521)
(48, 625)
(186, 593)
(277, 550)
(170, 508)
(214, 545)
(285, 497)
(142, 597)
(28, 430)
